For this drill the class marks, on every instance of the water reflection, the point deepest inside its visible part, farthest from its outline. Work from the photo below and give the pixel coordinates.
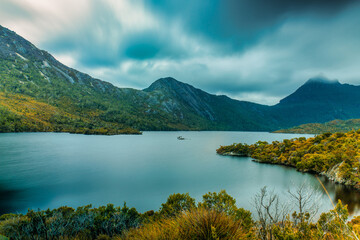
(347, 195)
(8, 198)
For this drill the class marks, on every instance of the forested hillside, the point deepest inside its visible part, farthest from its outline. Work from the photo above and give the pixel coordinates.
(332, 126)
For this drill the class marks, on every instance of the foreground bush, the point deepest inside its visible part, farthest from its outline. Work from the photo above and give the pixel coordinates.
(67, 223)
(199, 223)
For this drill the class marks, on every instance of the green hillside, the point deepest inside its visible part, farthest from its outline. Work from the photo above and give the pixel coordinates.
(332, 126)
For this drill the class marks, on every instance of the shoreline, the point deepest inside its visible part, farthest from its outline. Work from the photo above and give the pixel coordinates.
(330, 175)
(82, 133)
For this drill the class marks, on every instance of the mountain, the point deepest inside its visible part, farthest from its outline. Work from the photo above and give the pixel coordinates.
(41, 94)
(222, 112)
(318, 101)
(38, 93)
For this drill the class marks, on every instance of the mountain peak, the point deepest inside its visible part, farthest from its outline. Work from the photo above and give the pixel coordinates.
(166, 83)
(321, 80)
(317, 90)
(11, 45)
(167, 79)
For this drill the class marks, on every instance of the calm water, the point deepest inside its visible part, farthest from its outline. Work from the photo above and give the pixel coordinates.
(48, 170)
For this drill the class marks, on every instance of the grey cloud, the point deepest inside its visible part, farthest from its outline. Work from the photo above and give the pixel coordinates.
(238, 24)
(14, 10)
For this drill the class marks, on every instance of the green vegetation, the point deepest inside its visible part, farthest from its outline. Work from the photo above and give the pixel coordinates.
(3, 238)
(317, 128)
(216, 217)
(37, 98)
(91, 106)
(334, 155)
(83, 223)
(19, 113)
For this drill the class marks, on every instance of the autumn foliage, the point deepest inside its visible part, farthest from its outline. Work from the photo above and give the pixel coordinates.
(336, 155)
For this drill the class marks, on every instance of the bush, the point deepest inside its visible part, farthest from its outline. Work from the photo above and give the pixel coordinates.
(200, 223)
(177, 203)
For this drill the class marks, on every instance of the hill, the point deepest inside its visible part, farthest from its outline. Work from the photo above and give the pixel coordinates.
(332, 126)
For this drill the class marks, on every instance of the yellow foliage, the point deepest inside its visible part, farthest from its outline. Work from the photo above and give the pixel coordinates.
(198, 223)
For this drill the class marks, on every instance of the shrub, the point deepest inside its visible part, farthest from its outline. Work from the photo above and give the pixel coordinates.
(200, 223)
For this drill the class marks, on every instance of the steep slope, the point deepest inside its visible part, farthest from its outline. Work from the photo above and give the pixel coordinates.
(223, 113)
(319, 101)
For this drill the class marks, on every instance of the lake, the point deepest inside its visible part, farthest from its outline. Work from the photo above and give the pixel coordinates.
(49, 170)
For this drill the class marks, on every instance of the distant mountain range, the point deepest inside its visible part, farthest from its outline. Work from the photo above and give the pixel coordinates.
(38, 93)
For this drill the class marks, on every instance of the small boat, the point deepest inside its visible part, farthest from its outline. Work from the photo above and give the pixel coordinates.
(180, 138)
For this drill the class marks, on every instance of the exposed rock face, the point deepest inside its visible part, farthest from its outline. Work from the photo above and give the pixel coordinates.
(335, 175)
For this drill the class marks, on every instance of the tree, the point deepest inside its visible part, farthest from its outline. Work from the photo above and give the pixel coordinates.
(177, 203)
(269, 211)
(223, 202)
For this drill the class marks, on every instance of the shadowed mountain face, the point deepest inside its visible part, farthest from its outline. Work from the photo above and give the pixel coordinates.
(320, 100)
(45, 95)
(226, 113)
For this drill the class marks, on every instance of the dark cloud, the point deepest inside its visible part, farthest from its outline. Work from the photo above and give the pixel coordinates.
(142, 49)
(250, 14)
(239, 23)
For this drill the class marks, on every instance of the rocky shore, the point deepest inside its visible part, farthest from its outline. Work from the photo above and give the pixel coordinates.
(332, 174)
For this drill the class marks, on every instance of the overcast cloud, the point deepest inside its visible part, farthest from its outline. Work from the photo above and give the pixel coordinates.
(254, 50)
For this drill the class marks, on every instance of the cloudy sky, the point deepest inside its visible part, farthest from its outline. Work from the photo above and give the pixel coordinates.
(255, 50)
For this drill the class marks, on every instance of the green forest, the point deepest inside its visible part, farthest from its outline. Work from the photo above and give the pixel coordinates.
(180, 217)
